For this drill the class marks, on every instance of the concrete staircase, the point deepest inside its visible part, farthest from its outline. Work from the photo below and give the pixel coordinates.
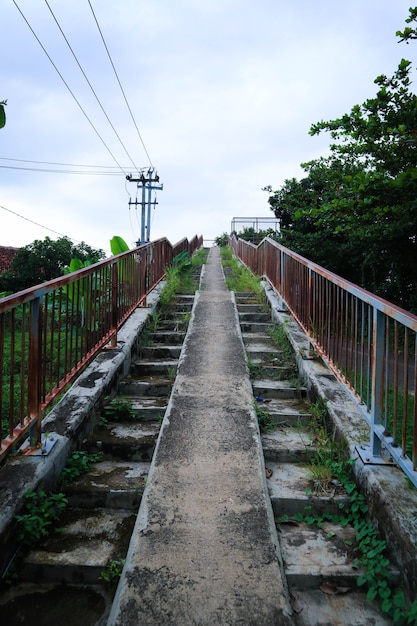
(78, 566)
(318, 562)
(64, 579)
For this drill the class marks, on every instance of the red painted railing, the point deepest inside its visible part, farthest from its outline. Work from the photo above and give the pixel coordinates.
(369, 343)
(50, 332)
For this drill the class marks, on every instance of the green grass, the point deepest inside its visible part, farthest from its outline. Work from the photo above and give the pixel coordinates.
(238, 277)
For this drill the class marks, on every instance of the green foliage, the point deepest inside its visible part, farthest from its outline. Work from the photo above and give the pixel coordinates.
(328, 462)
(355, 211)
(112, 573)
(45, 260)
(118, 245)
(172, 285)
(182, 261)
(264, 419)
(199, 257)
(78, 464)
(79, 291)
(120, 408)
(239, 278)
(42, 510)
(2, 113)
(280, 338)
(409, 32)
(222, 240)
(255, 236)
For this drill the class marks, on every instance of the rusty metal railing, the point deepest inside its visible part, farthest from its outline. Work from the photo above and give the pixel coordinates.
(369, 343)
(50, 332)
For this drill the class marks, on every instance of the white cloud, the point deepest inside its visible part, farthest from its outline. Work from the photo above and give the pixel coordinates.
(223, 92)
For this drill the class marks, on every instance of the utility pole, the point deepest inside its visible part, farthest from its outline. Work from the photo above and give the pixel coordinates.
(146, 182)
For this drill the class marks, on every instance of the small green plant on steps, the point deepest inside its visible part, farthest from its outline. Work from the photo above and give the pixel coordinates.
(241, 278)
(78, 464)
(153, 321)
(171, 373)
(370, 550)
(264, 419)
(279, 337)
(111, 574)
(119, 408)
(42, 510)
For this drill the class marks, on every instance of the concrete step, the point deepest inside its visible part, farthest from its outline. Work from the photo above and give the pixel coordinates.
(146, 367)
(255, 317)
(161, 351)
(147, 409)
(313, 606)
(260, 352)
(153, 387)
(184, 298)
(130, 441)
(255, 327)
(172, 326)
(50, 604)
(177, 315)
(86, 543)
(110, 484)
(313, 555)
(285, 412)
(246, 295)
(256, 337)
(171, 337)
(277, 389)
(182, 306)
(244, 307)
(289, 487)
(270, 372)
(287, 445)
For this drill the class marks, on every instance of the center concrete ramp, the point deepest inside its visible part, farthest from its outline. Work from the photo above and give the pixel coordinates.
(204, 549)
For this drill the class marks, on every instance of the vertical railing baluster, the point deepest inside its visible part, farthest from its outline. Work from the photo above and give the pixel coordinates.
(405, 395)
(377, 388)
(34, 370)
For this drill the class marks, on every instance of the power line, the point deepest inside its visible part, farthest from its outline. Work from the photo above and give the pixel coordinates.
(108, 167)
(89, 84)
(41, 225)
(68, 87)
(51, 171)
(36, 223)
(120, 85)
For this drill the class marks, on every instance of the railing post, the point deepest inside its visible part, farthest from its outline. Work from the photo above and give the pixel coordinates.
(34, 372)
(114, 303)
(282, 287)
(310, 320)
(377, 388)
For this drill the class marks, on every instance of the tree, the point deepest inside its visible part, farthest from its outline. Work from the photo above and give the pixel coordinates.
(2, 113)
(44, 260)
(356, 211)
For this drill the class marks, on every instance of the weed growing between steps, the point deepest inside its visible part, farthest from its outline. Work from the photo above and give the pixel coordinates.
(119, 408)
(111, 575)
(41, 512)
(264, 419)
(329, 464)
(79, 463)
(279, 337)
(180, 277)
(239, 277)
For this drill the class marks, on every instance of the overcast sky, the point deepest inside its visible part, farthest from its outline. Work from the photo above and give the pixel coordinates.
(223, 93)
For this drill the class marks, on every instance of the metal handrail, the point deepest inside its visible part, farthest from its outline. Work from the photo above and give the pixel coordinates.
(50, 332)
(369, 343)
